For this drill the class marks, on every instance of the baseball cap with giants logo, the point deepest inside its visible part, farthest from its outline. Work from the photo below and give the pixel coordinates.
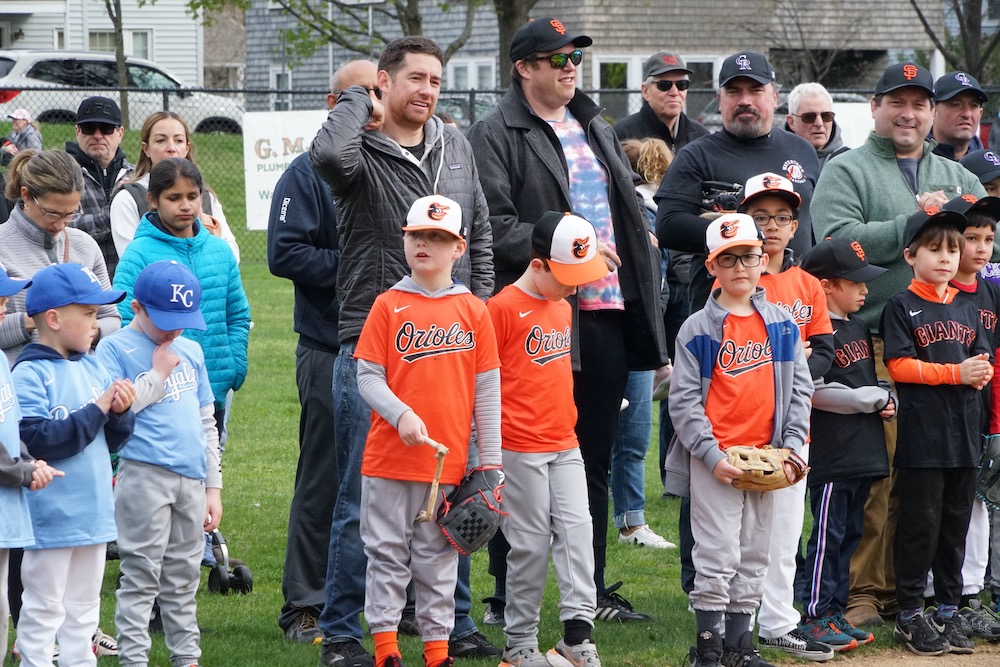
(904, 75)
(840, 258)
(731, 230)
(985, 164)
(171, 295)
(768, 184)
(928, 217)
(569, 243)
(543, 34)
(436, 212)
(746, 63)
(969, 204)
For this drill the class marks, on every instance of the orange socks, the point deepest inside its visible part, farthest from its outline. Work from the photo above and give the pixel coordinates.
(386, 644)
(435, 653)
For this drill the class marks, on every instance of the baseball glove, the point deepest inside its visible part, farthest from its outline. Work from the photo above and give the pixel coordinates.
(764, 467)
(470, 515)
(988, 476)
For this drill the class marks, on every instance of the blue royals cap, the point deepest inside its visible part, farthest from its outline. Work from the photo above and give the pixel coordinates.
(64, 284)
(171, 295)
(9, 286)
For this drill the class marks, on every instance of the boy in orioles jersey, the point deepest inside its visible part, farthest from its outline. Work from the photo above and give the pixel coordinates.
(427, 364)
(939, 355)
(740, 378)
(773, 204)
(546, 484)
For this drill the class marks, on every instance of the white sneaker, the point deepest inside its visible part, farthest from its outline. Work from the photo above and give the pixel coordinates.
(645, 537)
(104, 644)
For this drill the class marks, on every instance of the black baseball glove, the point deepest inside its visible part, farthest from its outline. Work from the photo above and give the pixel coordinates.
(988, 476)
(470, 515)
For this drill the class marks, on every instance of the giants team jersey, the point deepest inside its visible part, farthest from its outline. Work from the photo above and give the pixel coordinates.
(743, 370)
(939, 425)
(431, 349)
(802, 296)
(848, 446)
(985, 294)
(536, 375)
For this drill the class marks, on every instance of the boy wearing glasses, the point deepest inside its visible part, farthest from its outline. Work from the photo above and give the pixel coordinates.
(739, 346)
(98, 151)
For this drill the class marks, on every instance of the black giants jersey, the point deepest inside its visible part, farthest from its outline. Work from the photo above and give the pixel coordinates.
(848, 446)
(940, 426)
(986, 296)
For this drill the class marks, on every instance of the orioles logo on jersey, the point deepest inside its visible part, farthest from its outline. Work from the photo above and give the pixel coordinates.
(727, 230)
(414, 344)
(437, 211)
(545, 347)
(581, 247)
(802, 313)
(910, 71)
(858, 250)
(734, 359)
(557, 26)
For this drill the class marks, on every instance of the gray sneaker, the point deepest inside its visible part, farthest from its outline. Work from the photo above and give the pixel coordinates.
(528, 656)
(303, 631)
(578, 655)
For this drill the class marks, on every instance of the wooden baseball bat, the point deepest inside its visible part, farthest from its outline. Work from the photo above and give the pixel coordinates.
(427, 513)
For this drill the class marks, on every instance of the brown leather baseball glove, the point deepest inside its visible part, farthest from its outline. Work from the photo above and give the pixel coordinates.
(764, 467)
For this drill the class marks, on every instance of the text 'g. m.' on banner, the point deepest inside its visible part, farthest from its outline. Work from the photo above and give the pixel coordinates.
(271, 140)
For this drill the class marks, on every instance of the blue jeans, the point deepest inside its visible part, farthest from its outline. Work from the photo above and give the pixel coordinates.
(628, 455)
(345, 573)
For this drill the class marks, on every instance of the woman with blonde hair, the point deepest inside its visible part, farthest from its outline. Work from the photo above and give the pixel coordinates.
(164, 135)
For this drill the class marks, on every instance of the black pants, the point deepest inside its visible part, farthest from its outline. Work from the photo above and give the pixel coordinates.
(598, 390)
(934, 509)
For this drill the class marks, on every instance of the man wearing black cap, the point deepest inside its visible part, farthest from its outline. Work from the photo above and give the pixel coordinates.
(664, 93)
(98, 150)
(748, 97)
(985, 164)
(959, 101)
(545, 147)
(866, 195)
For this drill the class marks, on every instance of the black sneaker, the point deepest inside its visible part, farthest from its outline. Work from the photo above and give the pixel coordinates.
(982, 621)
(708, 652)
(473, 646)
(348, 653)
(613, 607)
(917, 636)
(744, 654)
(798, 643)
(408, 626)
(950, 630)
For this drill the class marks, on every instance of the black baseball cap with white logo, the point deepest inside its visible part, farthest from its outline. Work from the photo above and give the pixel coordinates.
(904, 75)
(955, 83)
(544, 34)
(985, 164)
(746, 63)
(840, 258)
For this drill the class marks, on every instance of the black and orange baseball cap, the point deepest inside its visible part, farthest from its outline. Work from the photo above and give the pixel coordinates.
(544, 34)
(904, 75)
(569, 243)
(932, 216)
(969, 204)
(840, 258)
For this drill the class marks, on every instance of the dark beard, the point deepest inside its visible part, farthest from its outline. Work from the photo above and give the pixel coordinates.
(745, 129)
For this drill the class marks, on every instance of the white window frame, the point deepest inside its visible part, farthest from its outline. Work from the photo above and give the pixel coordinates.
(127, 37)
(273, 73)
(473, 65)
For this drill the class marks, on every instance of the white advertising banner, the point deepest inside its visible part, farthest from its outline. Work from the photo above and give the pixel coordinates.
(271, 140)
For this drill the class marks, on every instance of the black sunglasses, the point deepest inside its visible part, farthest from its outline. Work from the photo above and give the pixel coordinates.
(94, 128)
(664, 86)
(810, 117)
(560, 60)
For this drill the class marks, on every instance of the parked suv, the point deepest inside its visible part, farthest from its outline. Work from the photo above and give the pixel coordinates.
(76, 75)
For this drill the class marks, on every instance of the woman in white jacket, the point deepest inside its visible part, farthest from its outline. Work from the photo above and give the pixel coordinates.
(164, 135)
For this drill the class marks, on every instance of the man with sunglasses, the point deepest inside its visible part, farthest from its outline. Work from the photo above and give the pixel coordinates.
(664, 93)
(546, 147)
(810, 115)
(98, 150)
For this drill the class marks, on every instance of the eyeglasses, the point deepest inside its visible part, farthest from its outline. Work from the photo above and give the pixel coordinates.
(664, 86)
(560, 60)
(809, 117)
(94, 128)
(762, 219)
(729, 261)
(56, 216)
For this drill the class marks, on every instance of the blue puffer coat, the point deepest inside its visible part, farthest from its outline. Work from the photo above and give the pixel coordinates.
(223, 301)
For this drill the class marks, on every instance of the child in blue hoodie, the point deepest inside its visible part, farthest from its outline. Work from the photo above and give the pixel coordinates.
(74, 412)
(18, 471)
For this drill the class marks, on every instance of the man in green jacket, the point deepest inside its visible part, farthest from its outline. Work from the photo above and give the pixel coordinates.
(866, 195)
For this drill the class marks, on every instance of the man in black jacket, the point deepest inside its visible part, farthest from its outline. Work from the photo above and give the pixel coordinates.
(665, 84)
(302, 246)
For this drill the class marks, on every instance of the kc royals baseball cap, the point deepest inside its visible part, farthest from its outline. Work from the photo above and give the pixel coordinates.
(954, 83)
(904, 75)
(9, 286)
(771, 185)
(985, 164)
(171, 295)
(436, 212)
(569, 243)
(64, 284)
(731, 230)
(932, 216)
(662, 62)
(746, 63)
(544, 34)
(969, 204)
(840, 258)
